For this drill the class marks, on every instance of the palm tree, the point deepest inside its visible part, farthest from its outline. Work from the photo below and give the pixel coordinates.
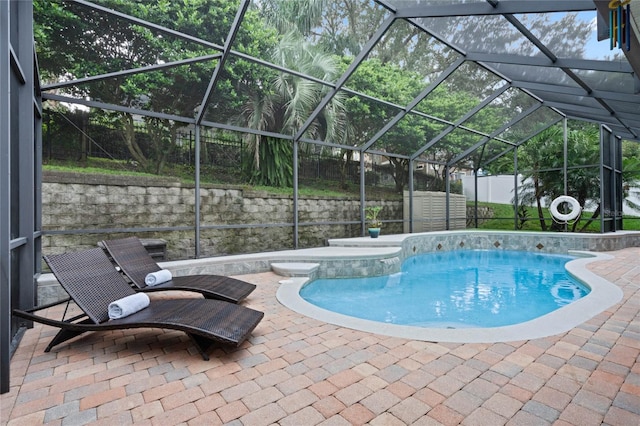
(544, 180)
(533, 155)
(286, 104)
(300, 16)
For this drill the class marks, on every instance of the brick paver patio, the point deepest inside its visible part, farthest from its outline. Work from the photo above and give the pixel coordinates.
(299, 371)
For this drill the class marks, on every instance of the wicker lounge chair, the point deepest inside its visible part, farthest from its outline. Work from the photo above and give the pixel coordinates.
(134, 261)
(92, 283)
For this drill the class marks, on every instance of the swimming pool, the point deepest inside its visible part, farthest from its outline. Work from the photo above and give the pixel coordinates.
(464, 288)
(602, 295)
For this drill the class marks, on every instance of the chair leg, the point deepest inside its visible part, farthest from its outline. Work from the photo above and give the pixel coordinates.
(62, 336)
(202, 344)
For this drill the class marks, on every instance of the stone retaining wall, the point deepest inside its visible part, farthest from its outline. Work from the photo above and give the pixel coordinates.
(72, 202)
(484, 214)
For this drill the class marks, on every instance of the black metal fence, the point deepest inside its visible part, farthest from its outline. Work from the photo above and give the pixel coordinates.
(75, 136)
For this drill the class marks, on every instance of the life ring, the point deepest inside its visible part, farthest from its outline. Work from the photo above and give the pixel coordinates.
(575, 208)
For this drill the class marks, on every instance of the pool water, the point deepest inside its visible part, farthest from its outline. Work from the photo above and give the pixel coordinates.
(455, 289)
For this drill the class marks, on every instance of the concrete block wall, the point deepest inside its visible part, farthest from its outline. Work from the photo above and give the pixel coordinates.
(74, 201)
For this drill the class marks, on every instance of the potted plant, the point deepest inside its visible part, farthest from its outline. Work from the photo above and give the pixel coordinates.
(371, 214)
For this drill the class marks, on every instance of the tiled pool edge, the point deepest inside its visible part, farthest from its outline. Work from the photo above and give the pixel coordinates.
(544, 242)
(602, 296)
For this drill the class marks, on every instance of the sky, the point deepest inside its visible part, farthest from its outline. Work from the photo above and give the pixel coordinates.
(596, 49)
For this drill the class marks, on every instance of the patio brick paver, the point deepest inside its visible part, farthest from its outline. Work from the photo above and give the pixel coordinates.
(409, 410)
(445, 415)
(296, 370)
(503, 405)
(297, 401)
(329, 406)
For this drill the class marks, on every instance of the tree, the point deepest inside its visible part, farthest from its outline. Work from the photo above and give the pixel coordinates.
(74, 41)
(399, 86)
(366, 117)
(284, 105)
(298, 16)
(542, 170)
(449, 102)
(348, 25)
(630, 172)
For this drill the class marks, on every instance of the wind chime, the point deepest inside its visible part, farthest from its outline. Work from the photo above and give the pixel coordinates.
(620, 24)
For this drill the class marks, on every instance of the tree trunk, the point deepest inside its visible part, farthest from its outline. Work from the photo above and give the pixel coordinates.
(536, 186)
(83, 139)
(129, 136)
(399, 175)
(344, 170)
(165, 153)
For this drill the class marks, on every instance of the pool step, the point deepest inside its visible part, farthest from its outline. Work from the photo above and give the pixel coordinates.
(294, 269)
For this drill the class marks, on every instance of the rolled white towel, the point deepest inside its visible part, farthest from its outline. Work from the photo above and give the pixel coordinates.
(159, 277)
(128, 305)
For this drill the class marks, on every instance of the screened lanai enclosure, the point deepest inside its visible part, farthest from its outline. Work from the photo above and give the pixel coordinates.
(235, 126)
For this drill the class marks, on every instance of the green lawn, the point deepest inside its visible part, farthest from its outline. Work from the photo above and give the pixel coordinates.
(503, 219)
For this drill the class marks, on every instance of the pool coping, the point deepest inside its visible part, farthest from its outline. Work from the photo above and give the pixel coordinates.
(602, 296)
